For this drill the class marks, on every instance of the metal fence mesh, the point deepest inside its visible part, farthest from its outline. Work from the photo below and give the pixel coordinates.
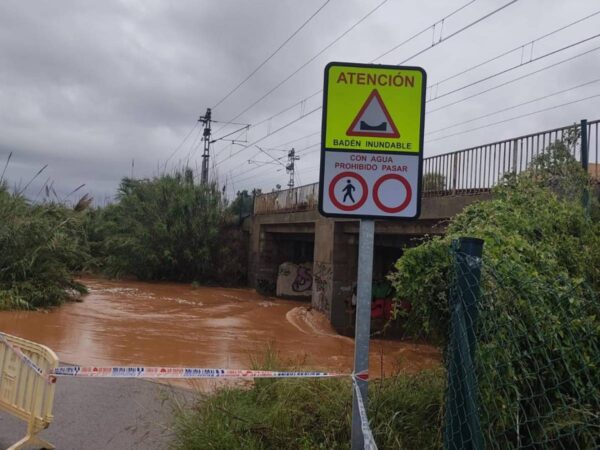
(523, 360)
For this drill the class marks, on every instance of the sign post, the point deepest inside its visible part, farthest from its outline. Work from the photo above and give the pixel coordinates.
(371, 168)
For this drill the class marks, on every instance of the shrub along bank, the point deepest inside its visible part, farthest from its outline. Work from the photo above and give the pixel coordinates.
(40, 246)
(168, 228)
(165, 228)
(539, 327)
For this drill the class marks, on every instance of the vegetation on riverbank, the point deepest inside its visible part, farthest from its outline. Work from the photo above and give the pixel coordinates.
(168, 228)
(405, 412)
(539, 314)
(41, 247)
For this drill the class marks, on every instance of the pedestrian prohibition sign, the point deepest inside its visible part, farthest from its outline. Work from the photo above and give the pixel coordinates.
(372, 141)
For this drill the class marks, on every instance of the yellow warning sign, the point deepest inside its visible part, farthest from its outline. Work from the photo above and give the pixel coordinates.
(374, 108)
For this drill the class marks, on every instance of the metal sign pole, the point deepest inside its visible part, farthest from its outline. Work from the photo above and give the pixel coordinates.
(363, 321)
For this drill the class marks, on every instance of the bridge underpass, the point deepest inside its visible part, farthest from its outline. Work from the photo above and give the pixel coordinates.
(330, 246)
(286, 226)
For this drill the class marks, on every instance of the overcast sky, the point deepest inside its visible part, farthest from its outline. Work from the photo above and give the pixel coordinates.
(87, 87)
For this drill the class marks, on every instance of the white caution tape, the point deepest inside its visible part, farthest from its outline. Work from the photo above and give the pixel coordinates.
(26, 359)
(193, 373)
(368, 438)
(182, 372)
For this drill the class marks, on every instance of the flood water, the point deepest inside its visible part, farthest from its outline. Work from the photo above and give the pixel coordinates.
(168, 324)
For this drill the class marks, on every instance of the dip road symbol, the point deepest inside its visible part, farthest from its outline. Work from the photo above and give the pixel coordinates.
(373, 119)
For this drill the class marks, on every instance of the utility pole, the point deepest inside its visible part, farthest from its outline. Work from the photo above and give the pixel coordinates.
(206, 138)
(290, 168)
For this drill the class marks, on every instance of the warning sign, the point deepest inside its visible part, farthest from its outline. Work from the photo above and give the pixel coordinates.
(373, 120)
(372, 141)
(374, 108)
(370, 185)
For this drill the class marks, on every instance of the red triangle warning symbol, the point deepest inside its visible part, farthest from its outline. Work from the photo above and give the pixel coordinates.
(373, 120)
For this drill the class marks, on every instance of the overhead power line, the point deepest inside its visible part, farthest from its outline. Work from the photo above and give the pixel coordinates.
(266, 136)
(519, 47)
(425, 30)
(550, 33)
(544, 97)
(502, 72)
(514, 118)
(514, 80)
(459, 31)
(241, 83)
(500, 85)
(180, 145)
(464, 28)
(319, 53)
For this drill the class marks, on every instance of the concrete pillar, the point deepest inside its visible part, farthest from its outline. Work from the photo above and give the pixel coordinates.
(334, 271)
(323, 265)
(262, 267)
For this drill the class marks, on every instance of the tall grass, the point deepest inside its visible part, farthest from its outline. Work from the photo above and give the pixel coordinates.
(40, 246)
(405, 412)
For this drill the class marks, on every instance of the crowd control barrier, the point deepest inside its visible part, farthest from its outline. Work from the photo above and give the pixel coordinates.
(29, 371)
(26, 391)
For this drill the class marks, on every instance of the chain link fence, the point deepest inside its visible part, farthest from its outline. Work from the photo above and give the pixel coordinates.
(523, 359)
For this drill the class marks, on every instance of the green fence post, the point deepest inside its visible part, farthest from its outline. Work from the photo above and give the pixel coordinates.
(585, 164)
(462, 428)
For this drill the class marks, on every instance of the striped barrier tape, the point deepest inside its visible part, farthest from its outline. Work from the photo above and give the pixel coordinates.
(26, 359)
(183, 372)
(369, 440)
(195, 373)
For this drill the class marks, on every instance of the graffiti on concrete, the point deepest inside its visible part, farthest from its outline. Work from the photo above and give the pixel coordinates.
(304, 279)
(294, 280)
(323, 277)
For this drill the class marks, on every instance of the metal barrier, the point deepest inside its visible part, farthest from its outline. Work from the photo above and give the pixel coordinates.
(463, 172)
(24, 392)
(476, 169)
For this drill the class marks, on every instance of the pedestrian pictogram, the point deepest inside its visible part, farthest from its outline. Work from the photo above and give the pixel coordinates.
(373, 119)
(348, 191)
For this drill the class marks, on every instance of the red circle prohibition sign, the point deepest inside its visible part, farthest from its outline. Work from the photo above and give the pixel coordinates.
(361, 201)
(401, 206)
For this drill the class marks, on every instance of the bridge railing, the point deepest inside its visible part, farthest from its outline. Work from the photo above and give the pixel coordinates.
(463, 172)
(300, 198)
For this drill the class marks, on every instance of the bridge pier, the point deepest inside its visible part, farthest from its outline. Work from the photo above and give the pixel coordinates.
(334, 271)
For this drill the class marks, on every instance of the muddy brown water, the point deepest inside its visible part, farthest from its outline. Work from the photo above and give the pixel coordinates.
(168, 324)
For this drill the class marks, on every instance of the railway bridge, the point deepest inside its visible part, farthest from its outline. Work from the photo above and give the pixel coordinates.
(286, 227)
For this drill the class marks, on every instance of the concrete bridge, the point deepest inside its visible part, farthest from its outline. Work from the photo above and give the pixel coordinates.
(287, 227)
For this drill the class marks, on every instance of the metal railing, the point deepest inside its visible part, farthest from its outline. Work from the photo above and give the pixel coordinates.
(301, 198)
(464, 172)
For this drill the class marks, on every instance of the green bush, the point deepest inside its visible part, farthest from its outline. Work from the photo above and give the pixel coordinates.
(535, 221)
(40, 246)
(538, 360)
(167, 228)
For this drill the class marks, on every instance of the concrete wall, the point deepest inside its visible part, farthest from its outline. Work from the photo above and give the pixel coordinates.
(295, 280)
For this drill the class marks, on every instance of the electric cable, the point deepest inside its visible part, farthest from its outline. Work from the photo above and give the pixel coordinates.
(241, 83)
